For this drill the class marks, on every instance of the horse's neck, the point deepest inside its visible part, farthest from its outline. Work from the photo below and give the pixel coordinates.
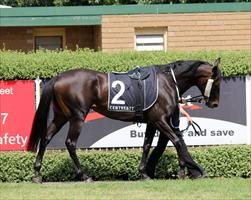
(185, 82)
(186, 74)
(183, 87)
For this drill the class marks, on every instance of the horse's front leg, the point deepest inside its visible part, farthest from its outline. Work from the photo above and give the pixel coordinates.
(157, 153)
(164, 127)
(185, 160)
(149, 135)
(194, 170)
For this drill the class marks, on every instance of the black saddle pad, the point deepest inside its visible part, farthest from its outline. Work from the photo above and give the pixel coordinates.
(121, 95)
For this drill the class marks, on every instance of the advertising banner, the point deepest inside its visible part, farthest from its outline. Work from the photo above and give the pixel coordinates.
(227, 124)
(17, 110)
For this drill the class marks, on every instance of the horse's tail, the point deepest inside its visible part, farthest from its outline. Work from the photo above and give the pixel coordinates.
(39, 125)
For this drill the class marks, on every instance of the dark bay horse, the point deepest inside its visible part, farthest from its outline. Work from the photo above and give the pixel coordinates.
(73, 93)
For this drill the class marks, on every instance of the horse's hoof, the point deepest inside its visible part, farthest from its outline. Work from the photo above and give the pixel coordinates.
(204, 175)
(182, 174)
(145, 177)
(201, 176)
(84, 178)
(89, 180)
(37, 179)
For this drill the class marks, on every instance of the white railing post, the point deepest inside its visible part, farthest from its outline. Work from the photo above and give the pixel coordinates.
(37, 91)
(248, 107)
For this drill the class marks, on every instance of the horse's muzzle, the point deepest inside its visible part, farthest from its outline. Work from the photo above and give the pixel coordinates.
(212, 104)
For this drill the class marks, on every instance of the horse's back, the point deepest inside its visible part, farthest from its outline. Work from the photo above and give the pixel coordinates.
(77, 77)
(78, 74)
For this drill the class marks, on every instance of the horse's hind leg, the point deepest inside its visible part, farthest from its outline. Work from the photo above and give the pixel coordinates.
(56, 124)
(71, 141)
(150, 131)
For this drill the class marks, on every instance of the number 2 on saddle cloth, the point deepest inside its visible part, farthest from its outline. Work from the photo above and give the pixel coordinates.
(133, 91)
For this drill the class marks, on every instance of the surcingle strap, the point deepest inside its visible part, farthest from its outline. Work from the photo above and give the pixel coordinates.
(138, 86)
(138, 76)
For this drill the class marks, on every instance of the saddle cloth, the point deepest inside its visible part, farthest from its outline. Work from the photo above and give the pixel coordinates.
(123, 92)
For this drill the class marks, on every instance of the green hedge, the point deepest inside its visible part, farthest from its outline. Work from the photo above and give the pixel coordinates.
(218, 161)
(19, 65)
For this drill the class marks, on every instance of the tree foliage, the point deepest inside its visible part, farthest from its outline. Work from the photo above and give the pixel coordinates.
(30, 3)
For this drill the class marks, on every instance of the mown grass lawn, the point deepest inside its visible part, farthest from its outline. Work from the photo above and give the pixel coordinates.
(220, 188)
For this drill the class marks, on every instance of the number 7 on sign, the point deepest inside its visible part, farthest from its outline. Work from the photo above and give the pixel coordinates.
(4, 117)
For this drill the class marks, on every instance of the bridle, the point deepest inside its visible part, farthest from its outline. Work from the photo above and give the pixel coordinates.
(202, 98)
(199, 98)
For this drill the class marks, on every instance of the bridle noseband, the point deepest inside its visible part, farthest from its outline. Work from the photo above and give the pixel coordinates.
(208, 87)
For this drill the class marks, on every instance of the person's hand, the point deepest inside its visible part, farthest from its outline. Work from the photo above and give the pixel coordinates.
(189, 120)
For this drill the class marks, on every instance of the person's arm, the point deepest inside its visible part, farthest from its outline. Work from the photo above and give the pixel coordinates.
(184, 113)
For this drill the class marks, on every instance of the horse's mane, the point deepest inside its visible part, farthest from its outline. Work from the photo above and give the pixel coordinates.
(182, 66)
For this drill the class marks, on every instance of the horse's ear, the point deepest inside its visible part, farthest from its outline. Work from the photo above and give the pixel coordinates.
(216, 62)
(215, 68)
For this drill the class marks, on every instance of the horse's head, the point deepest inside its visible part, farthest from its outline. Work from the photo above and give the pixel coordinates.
(208, 81)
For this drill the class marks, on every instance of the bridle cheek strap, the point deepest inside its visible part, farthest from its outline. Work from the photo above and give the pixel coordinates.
(208, 88)
(193, 99)
(176, 85)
